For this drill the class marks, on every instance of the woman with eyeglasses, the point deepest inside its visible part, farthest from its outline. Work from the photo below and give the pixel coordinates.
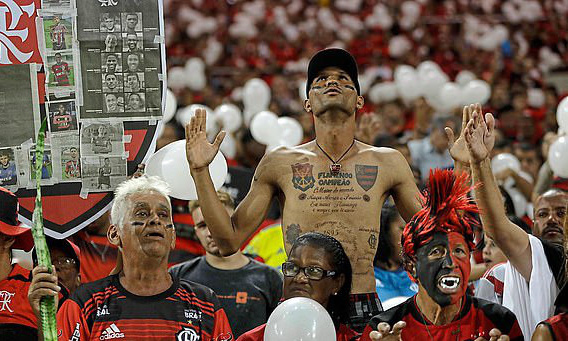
(317, 268)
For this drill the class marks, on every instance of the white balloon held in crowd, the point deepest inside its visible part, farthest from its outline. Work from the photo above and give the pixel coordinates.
(562, 114)
(299, 319)
(558, 157)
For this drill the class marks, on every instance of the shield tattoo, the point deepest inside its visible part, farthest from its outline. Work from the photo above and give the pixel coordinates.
(366, 176)
(302, 176)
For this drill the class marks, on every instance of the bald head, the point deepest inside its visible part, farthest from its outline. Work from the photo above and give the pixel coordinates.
(549, 215)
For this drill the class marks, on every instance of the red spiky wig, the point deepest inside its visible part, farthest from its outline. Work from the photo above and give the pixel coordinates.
(446, 208)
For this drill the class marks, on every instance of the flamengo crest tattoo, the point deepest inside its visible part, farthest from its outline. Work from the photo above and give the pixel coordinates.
(366, 176)
(302, 176)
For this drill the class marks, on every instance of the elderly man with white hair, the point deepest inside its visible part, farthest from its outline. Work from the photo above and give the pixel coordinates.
(142, 300)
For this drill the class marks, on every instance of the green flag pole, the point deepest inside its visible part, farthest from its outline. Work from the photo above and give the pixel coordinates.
(47, 303)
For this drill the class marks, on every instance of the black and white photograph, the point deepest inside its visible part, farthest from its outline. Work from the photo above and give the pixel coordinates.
(102, 173)
(19, 104)
(133, 82)
(114, 103)
(111, 62)
(112, 41)
(110, 22)
(102, 138)
(8, 169)
(120, 39)
(135, 102)
(62, 117)
(112, 82)
(132, 22)
(133, 62)
(132, 42)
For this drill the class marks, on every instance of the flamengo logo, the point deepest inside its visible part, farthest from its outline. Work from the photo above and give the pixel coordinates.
(5, 300)
(112, 332)
(105, 3)
(8, 30)
(187, 334)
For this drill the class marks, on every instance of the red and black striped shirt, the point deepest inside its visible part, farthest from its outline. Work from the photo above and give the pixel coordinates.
(104, 310)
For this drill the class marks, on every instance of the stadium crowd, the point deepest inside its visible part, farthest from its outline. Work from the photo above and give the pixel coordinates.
(493, 267)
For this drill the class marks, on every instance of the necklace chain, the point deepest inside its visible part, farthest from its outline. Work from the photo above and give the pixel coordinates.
(335, 167)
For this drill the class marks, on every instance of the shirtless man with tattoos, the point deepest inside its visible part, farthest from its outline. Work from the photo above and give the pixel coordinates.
(334, 185)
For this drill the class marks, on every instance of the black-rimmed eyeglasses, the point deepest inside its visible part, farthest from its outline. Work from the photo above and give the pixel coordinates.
(312, 272)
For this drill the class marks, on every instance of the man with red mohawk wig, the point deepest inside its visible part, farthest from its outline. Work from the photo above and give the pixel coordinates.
(436, 248)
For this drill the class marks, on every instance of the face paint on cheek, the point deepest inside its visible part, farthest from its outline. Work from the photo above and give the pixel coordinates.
(463, 265)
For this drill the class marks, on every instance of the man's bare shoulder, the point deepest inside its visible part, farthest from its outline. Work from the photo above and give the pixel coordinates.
(270, 166)
(284, 153)
(381, 153)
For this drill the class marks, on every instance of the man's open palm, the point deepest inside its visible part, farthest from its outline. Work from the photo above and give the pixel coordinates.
(480, 135)
(198, 150)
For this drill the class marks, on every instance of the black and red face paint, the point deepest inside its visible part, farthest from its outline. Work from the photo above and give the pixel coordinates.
(443, 267)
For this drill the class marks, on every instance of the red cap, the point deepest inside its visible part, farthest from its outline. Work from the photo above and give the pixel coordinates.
(9, 224)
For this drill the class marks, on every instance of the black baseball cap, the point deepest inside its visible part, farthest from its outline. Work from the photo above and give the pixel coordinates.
(336, 57)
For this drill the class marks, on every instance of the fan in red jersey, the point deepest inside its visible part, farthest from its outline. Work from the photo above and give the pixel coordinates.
(142, 301)
(436, 244)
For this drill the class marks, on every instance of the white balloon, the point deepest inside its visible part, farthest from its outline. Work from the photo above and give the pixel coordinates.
(427, 66)
(264, 127)
(301, 319)
(383, 92)
(184, 115)
(558, 157)
(562, 114)
(476, 91)
(402, 70)
(168, 164)
(196, 82)
(503, 161)
(432, 80)
(450, 95)
(229, 146)
(519, 201)
(230, 117)
(464, 77)
(171, 106)
(256, 94)
(177, 79)
(535, 97)
(291, 131)
(194, 65)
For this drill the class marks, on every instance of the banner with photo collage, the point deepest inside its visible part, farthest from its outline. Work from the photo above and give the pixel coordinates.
(94, 69)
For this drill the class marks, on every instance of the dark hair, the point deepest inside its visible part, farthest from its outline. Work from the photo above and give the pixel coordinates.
(58, 54)
(385, 249)
(507, 201)
(338, 304)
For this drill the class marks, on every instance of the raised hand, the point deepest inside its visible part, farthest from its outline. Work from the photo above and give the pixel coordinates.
(198, 150)
(480, 135)
(458, 149)
(384, 332)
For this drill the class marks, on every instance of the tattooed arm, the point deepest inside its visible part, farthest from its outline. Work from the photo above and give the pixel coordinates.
(404, 190)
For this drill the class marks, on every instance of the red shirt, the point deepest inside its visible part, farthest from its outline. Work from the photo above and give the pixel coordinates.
(104, 310)
(14, 305)
(257, 334)
(476, 319)
(61, 73)
(98, 256)
(558, 325)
